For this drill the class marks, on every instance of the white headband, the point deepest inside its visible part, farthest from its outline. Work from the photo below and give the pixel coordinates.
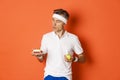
(61, 18)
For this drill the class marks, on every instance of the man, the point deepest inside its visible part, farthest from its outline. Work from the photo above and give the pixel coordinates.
(59, 45)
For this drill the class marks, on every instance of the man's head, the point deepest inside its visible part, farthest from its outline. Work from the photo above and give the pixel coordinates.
(60, 18)
(62, 12)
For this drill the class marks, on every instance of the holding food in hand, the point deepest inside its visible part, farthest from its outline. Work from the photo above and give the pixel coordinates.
(57, 49)
(68, 57)
(37, 52)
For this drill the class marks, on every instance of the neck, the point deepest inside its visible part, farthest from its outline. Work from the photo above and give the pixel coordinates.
(60, 33)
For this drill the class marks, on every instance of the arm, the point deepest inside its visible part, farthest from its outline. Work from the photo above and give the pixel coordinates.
(43, 49)
(78, 58)
(81, 58)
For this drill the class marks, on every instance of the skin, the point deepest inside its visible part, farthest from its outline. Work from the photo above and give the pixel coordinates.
(58, 28)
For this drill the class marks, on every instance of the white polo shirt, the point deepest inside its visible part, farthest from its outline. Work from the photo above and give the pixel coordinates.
(56, 48)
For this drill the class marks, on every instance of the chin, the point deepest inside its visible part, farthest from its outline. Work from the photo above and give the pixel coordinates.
(54, 30)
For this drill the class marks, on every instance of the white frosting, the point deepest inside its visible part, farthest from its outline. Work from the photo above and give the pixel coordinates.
(36, 50)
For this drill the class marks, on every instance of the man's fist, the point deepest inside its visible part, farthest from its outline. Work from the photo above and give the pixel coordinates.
(68, 57)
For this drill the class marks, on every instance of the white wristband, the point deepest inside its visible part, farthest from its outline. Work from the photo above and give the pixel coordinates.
(76, 59)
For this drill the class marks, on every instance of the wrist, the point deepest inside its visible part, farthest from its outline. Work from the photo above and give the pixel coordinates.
(40, 57)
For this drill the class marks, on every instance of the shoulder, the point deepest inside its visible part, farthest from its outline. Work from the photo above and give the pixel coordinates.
(71, 35)
(48, 34)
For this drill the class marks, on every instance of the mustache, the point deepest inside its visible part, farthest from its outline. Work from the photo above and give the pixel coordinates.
(54, 27)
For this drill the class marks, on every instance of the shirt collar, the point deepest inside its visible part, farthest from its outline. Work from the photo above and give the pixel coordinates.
(65, 34)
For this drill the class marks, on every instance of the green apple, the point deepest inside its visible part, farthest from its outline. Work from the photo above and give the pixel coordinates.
(68, 56)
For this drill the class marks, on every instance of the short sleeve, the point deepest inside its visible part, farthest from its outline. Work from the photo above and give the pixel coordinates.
(77, 46)
(43, 44)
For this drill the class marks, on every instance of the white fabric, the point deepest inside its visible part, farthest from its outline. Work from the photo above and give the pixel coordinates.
(61, 18)
(56, 49)
(76, 59)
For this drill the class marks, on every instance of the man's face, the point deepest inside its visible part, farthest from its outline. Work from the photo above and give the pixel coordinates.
(57, 25)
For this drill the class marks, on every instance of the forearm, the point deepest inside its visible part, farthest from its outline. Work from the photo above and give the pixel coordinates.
(79, 58)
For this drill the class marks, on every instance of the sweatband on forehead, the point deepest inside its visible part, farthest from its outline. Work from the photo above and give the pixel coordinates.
(61, 18)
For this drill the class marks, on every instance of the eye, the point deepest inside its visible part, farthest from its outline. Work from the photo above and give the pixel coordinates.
(58, 21)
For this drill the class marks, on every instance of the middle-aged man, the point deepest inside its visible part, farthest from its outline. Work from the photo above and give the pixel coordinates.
(59, 46)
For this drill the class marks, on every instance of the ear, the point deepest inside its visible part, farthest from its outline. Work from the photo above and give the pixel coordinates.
(64, 24)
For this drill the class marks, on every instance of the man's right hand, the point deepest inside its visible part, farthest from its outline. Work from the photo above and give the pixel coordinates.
(38, 53)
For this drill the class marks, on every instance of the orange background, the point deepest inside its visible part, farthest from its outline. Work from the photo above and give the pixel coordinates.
(96, 22)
